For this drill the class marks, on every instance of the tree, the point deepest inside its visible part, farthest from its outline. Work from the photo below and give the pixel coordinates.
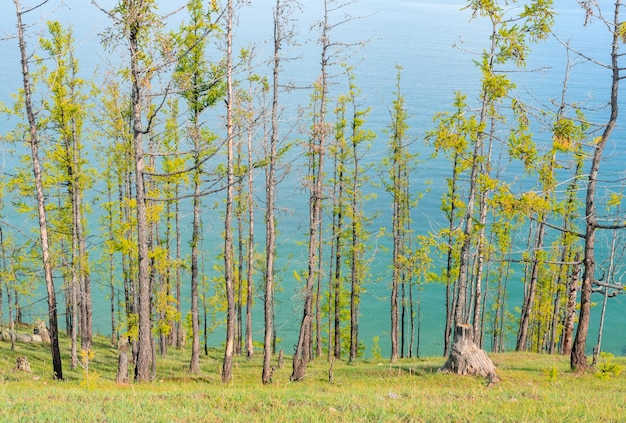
(578, 360)
(282, 35)
(399, 188)
(361, 139)
(348, 232)
(227, 367)
(451, 137)
(611, 270)
(316, 147)
(512, 34)
(201, 87)
(133, 15)
(40, 196)
(316, 156)
(338, 152)
(121, 241)
(67, 108)
(135, 21)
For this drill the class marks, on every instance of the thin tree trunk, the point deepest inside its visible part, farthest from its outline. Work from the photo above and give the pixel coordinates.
(194, 365)
(356, 256)
(337, 235)
(229, 349)
(610, 272)
(450, 283)
(270, 228)
(41, 202)
(302, 354)
(250, 246)
(179, 333)
(529, 297)
(6, 284)
(239, 209)
(570, 310)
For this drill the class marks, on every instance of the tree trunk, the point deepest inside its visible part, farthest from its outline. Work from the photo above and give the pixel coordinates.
(270, 229)
(227, 367)
(529, 298)
(250, 242)
(8, 289)
(41, 202)
(570, 311)
(578, 360)
(144, 351)
(302, 355)
(122, 361)
(337, 235)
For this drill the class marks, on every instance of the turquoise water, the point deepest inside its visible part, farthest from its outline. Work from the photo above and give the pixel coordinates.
(435, 42)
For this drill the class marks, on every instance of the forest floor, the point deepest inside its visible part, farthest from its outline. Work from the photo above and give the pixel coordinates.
(533, 388)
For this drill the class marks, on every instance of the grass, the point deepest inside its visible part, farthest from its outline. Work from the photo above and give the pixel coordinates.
(534, 388)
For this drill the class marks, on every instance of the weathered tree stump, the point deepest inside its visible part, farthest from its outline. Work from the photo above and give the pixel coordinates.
(5, 335)
(122, 361)
(42, 330)
(467, 359)
(22, 364)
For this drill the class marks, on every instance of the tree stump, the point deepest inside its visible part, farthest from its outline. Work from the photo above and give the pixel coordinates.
(22, 364)
(467, 359)
(122, 361)
(42, 330)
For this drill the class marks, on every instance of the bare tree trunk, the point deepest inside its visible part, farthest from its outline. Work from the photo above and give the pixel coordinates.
(529, 296)
(8, 289)
(114, 337)
(41, 202)
(239, 209)
(144, 352)
(578, 360)
(450, 282)
(250, 246)
(179, 333)
(302, 355)
(74, 319)
(270, 185)
(227, 368)
(194, 366)
(610, 272)
(356, 256)
(84, 277)
(122, 361)
(570, 311)
(337, 235)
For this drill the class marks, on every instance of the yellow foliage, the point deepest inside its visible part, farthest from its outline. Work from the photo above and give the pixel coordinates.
(621, 30)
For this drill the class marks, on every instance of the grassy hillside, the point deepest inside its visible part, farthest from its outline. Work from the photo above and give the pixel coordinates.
(533, 388)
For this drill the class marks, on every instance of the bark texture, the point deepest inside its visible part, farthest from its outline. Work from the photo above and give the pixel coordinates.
(466, 358)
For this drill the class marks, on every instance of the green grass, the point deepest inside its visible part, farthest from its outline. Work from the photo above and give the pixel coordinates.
(534, 388)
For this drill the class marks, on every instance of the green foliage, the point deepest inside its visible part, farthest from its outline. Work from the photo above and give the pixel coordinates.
(165, 308)
(552, 374)
(132, 326)
(202, 83)
(90, 377)
(608, 369)
(188, 327)
(376, 351)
